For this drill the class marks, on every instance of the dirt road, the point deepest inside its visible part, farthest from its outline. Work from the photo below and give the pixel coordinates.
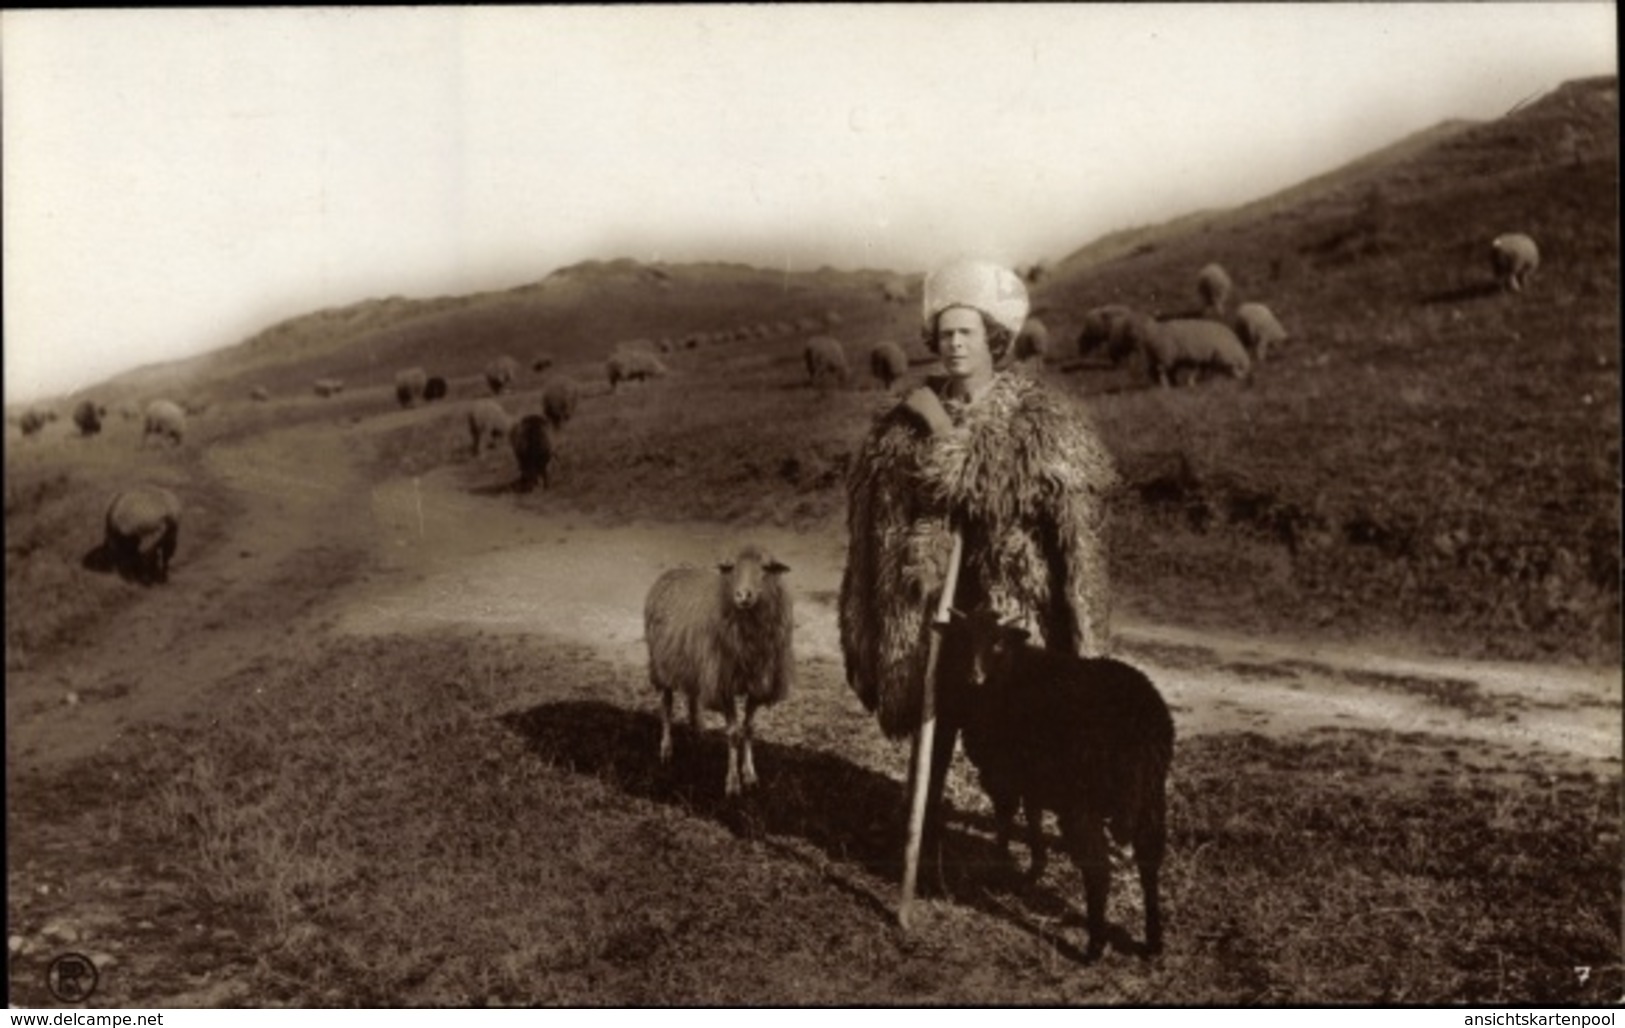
(317, 548)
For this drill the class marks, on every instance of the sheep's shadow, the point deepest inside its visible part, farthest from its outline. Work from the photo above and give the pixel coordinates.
(853, 815)
(514, 487)
(101, 559)
(1462, 294)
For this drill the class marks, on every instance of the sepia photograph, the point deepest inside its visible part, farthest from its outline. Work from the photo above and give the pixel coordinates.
(734, 506)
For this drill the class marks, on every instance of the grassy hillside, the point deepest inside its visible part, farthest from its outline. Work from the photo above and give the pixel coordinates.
(1428, 460)
(1427, 450)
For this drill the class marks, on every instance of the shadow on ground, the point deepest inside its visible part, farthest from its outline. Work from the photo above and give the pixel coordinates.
(852, 815)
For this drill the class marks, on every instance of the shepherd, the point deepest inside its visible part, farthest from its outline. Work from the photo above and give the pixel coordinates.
(982, 489)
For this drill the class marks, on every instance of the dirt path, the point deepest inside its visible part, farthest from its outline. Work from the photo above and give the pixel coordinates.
(317, 549)
(484, 564)
(294, 545)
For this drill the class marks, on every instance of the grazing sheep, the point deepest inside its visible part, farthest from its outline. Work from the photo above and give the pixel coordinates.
(33, 421)
(1259, 329)
(826, 361)
(1032, 341)
(487, 423)
(887, 362)
(1213, 286)
(532, 448)
(143, 525)
(1515, 258)
(559, 401)
(719, 637)
(435, 389)
(541, 363)
(1107, 326)
(166, 420)
(259, 394)
(326, 387)
(1188, 345)
(88, 417)
(409, 385)
(637, 364)
(500, 374)
(1088, 738)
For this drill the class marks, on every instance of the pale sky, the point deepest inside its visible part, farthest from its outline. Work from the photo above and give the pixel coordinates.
(177, 180)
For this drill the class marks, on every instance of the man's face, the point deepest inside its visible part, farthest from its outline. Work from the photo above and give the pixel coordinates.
(962, 344)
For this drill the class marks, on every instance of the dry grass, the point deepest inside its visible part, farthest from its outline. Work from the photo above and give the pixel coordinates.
(375, 832)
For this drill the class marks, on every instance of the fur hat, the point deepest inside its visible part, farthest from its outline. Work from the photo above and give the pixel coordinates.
(981, 285)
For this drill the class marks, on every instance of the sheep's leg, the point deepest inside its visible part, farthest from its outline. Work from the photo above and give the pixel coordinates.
(747, 767)
(1037, 853)
(1149, 845)
(1087, 843)
(665, 725)
(1004, 816)
(730, 713)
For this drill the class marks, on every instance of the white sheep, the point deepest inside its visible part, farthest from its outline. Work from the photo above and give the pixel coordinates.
(166, 420)
(719, 636)
(1515, 258)
(1259, 329)
(488, 423)
(1188, 345)
(142, 527)
(1213, 285)
(826, 361)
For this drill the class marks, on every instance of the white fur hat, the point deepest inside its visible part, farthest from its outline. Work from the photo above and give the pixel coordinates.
(982, 285)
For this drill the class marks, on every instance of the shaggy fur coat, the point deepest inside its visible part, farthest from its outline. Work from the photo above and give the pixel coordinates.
(1027, 481)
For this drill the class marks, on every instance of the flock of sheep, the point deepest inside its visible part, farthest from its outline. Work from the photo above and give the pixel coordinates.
(1090, 740)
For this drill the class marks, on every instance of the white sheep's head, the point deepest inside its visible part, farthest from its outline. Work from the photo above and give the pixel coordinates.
(745, 574)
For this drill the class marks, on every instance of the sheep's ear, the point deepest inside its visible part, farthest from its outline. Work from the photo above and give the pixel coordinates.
(773, 567)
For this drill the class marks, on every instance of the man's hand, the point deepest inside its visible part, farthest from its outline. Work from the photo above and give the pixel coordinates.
(923, 404)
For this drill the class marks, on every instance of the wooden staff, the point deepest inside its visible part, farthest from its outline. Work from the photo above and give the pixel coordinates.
(925, 736)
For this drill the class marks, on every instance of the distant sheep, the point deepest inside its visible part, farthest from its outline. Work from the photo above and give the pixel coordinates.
(165, 420)
(1091, 740)
(500, 374)
(327, 387)
(1213, 286)
(33, 420)
(1032, 342)
(1259, 329)
(409, 385)
(1515, 258)
(143, 525)
(435, 389)
(887, 362)
(826, 361)
(832, 319)
(559, 399)
(488, 424)
(87, 416)
(894, 292)
(541, 362)
(259, 394)
(1191, 346)
(636, 365)
(1107, 327)
(718, 637)
(533, 448)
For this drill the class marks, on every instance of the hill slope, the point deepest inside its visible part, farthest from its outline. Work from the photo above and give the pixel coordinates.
(1428, 458)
